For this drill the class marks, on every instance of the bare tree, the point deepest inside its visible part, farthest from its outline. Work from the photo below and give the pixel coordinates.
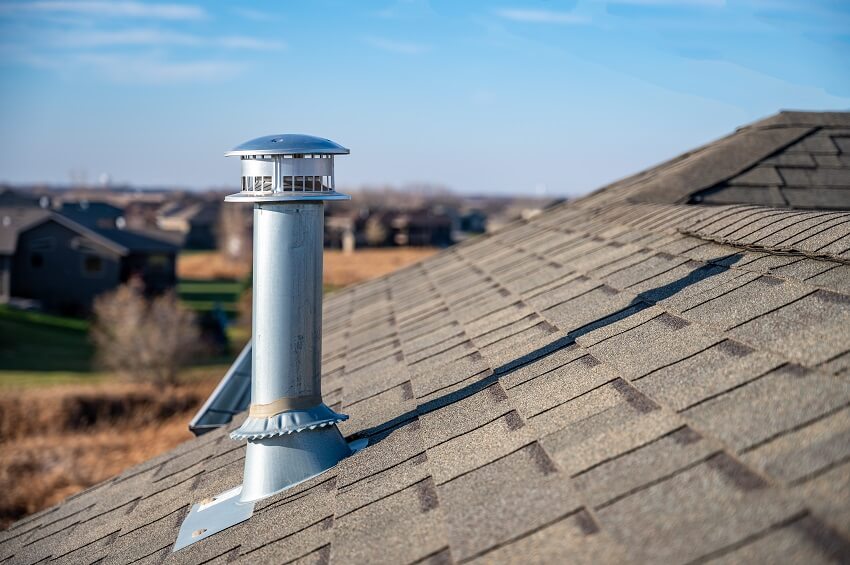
(376, 232)
(234, 233)
(144, 339)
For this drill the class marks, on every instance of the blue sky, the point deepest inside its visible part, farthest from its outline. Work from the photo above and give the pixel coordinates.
(496, 97)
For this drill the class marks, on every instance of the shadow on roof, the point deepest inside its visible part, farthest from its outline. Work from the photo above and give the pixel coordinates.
(641, 302)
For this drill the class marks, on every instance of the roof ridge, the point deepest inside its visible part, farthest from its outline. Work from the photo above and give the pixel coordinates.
(771, 249)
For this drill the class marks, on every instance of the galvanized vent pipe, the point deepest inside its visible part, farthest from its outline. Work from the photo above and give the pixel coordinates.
(291, 433)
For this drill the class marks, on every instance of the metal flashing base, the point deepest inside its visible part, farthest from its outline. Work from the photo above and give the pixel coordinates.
(211, 516)
(223, 511)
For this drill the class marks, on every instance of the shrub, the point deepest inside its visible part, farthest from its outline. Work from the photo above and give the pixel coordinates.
(144, 339)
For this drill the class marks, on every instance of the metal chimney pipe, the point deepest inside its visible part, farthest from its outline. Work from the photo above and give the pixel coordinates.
(291, 434)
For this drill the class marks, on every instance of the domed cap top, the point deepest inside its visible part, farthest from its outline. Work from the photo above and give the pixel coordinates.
(288, 144)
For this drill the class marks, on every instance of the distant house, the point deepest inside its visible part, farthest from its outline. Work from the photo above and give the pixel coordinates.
(9, 197)
(195, 220)
(420, 228)
(94, 214)
(64, 264)
(413, 228)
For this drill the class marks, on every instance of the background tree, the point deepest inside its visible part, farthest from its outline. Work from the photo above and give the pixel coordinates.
(144, 339)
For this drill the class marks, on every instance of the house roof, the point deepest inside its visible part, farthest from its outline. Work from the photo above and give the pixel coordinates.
(625, 377)
(15, 220)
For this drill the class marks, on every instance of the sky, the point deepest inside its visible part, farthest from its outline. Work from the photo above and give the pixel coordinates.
(536, 98)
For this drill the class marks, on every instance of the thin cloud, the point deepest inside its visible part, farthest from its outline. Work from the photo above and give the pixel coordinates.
(158, 38)
(707, 3)
(154, 70)
(406, 10)
(393, 46)
(102, 9)
(242, 42)
(256, 15)
(541, 16)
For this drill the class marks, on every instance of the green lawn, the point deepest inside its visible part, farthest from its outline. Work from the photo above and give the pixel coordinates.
(203, 295)
(32, 341)
(42, 349)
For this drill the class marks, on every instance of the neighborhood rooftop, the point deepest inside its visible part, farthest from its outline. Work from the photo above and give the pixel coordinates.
(657, 372)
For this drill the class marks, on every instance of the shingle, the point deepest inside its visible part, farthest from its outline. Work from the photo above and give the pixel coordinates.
(94, 552)
(661, 341)
(293, 546)
(828, 496)
(803, 540)
(789, 159)
(820, 238)
(441, 380)
(175, 495)
(400, 528)
(419, 340)
(559, 385)
(735, 216)
(151, 538)
(821, 176)
(379, 410)
(759, 176)
(524, 285)
(809, 331)
(504, 500)
(456, 414)
(696, 512)
(803, 269)
(291, 527)
(818, 142)
(381, 484)
(769, 406)
(600, 425)
(570, 288)
(607, 269)
(839, 248)
(92, 529)
(478, 447)
(484, 338)
(803, 228)
(804, 452)
(524, 346)
(838, 365)
(710, 372)
(828, 160)
(647, 463)
(573, 539)
(786, 221)
(747, 302)
(646, 269)
(374, 379)
(817, 198)
(588, 308)
(603, 255)
(387, 449)
(541, 365)
(842, 142)
(731, 194)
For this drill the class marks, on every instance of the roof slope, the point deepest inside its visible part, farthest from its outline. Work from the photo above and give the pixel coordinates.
(614, 380)
(792, 159)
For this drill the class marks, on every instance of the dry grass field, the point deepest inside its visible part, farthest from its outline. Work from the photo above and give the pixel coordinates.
(59, 440)
(340, 269)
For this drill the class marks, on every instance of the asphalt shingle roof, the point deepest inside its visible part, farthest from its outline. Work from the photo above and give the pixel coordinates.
(625, 377)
